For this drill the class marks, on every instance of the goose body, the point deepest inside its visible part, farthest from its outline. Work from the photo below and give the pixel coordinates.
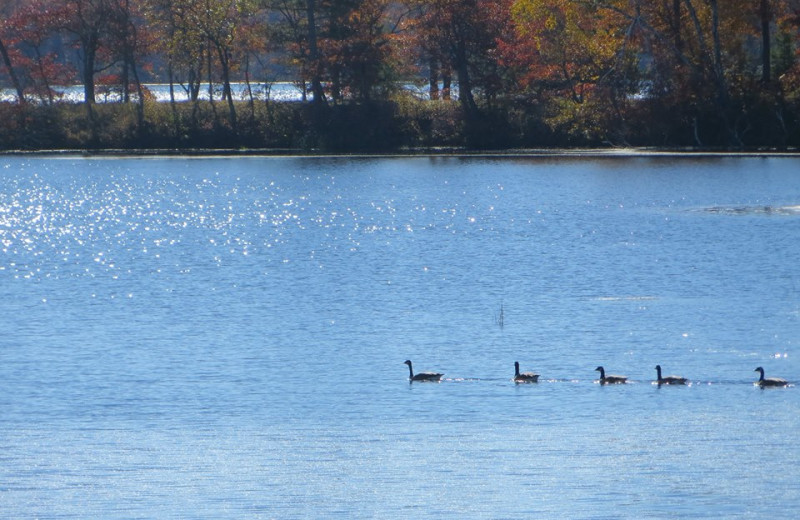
(769, 381)
(422, 376)
(525, 377)
(669, 380)
(610, 379)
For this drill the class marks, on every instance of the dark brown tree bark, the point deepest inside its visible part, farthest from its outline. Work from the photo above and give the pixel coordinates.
(316, 82)
(12, 74)
(764, 13)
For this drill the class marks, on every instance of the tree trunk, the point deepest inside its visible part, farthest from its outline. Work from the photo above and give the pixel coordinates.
(209, 77)
(173, 106)
(129, 56)
(719, 73)
(676, 25)
(227, 93)
(464, 80)
(51, 98)
(89, 54)
(433, 79)
(12, 74)
(335, 89)
(195, 79)
(126, 81)
(140, 94)
(719, 68)
(316, 81)
(764, 13)
(171, 79)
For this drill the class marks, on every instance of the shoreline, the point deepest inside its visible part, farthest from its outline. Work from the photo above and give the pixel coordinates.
(188, 153)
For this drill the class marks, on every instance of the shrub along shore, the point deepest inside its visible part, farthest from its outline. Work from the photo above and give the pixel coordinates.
(403, 124)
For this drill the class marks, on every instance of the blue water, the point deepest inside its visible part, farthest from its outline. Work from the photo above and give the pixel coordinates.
(160, 92)
(225, 337)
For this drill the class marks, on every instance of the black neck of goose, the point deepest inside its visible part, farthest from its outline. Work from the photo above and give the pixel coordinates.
(602, 373)
(410, 372)
(658, 371)
(761, 374)
(516, 369)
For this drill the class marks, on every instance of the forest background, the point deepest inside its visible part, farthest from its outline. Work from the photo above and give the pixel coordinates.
(495, 73)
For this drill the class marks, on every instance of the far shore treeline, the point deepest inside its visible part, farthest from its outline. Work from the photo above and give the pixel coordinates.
(495, 74)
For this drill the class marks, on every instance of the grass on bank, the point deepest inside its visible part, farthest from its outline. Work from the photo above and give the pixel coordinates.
(402, 123)
(204, 125)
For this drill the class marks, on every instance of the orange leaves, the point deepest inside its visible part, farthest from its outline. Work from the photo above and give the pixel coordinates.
(571, 43)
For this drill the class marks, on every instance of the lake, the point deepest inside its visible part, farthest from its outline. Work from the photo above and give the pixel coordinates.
(160, 92)
(224, 337)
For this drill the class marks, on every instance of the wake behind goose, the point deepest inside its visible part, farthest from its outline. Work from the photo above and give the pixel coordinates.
(787, 210)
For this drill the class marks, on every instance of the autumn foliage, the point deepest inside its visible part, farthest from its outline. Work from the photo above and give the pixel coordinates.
(495, 73)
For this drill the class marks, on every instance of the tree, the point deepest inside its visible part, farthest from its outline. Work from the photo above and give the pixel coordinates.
(573, 46)
(462, 36)
(34, 31)
(700, 57)
(577, 60)
(12, 74)
(313, 54)
(130, 41)
(297, 36)
(355, 48)
(183, 45)
(343, 45)
(88, 21)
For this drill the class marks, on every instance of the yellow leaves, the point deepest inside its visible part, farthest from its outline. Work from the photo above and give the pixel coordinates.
(576, 41)
(550, 23)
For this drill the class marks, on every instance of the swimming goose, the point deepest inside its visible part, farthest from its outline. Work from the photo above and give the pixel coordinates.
(669, 380)
(611, 379)
(770, 381)
(422, 376)
(525, 377)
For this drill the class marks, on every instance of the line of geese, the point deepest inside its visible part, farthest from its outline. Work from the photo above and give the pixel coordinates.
(610, 379)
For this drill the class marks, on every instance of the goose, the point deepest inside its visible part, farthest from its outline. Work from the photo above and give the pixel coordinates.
(611, 379)
(770, 381)
(669, 380)
(422, 376)
(525, 377)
